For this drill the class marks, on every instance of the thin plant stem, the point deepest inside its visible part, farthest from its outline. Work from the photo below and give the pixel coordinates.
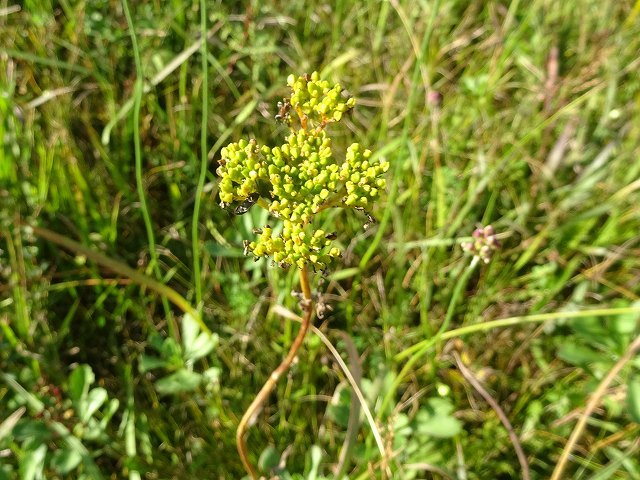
(157, 79)
(195, 244)
(250, 415)
(360, 396)
(483, 326)
(124, 270)
(591, 406)
(350, 378)
(421, 67)
(353, 424)
(22, 322)
(136, 137)
(421, 348)
(146, 216)
(515, 441)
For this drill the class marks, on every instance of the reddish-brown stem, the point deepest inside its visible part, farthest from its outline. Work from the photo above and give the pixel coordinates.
(252, 412)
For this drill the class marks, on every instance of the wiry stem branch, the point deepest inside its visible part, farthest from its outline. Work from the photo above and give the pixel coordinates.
(249, 416)
(593, 402)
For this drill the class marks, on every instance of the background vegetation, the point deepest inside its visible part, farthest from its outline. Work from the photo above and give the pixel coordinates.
(523, 115)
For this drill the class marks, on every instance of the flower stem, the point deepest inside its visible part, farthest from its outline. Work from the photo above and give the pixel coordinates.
(195, 241)
(250, 415)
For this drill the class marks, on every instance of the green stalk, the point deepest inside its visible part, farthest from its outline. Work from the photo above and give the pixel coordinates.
(22, 322)
(138, 89)
(137, 95)
(195, 245)
(130, 427)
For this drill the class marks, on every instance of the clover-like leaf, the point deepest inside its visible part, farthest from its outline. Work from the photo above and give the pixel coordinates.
(181, 381)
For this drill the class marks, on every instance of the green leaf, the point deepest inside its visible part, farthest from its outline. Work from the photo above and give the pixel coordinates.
(580, 355)
(217, 250)
(190, 329)
(156, 341)
(32, 464)
(440, 427)
(32, 430)
(316, 456)
(593, 330)
(181, 381)
(344, 273)
(201, 347)
(95, 400)
(7, 425)
(439, 406)
(402, 430)
(110, 411)
(211, 375)
(73, 443)
(633, 397)
(435, 419)
(626, 324)
(4, 473)
(195, 346)
(338, 408)
(30, 399)
(171, 351)
(65, 460)
(269, 459)
(149, 362)
(79, 382)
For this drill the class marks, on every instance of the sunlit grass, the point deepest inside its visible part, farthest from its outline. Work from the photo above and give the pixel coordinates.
(519, 115)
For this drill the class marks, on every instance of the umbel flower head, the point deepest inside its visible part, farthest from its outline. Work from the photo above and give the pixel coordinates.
(485, 242)
(302, 177)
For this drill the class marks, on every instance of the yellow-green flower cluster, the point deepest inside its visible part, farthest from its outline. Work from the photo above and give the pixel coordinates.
(317, 99)
(242, 166)
(362, 178)
(295, 246)
(301, 177)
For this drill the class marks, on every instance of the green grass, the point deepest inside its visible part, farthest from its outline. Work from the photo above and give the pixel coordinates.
(114, 147)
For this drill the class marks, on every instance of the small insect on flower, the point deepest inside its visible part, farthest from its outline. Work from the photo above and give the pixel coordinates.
(370, 221)
(247, 204)
(283, 112)
(370, 218)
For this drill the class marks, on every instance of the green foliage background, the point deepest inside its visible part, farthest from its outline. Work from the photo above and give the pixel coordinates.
(523, 115)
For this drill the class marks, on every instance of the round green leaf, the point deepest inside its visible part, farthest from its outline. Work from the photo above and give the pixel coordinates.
(65, 460)
(181, 381)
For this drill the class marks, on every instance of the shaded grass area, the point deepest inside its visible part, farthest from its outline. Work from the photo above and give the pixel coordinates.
(523, 116)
